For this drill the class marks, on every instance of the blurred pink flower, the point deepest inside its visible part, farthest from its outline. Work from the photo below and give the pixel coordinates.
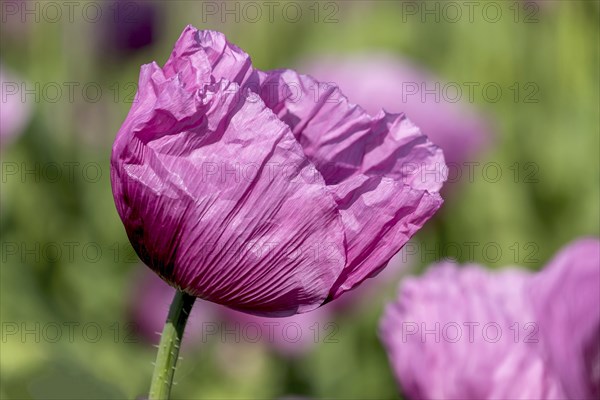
(379, 80)
(15, 112)
(289, 336)
(451, 335)
(566, 300)
(149, 306)
(240, 187)
(470, 333)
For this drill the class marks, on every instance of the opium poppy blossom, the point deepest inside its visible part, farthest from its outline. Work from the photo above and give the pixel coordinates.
(264, 191)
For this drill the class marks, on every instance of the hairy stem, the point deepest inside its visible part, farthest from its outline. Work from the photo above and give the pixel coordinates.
(168, 349)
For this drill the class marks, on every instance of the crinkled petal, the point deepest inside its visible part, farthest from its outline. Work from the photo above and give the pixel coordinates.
(204, 56)
(566, 299)
(219, 199)
(383, 172)
(379, 218)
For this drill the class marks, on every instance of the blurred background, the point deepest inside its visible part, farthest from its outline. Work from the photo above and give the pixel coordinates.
(509, 89)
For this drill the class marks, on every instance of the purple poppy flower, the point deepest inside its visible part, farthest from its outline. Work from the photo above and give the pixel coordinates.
(379, 80)
(149, 307)
(14, 111)
(566, 299)
(252, 190)
(470, 333)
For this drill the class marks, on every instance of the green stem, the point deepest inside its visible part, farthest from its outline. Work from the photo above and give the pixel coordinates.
(168, 349)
